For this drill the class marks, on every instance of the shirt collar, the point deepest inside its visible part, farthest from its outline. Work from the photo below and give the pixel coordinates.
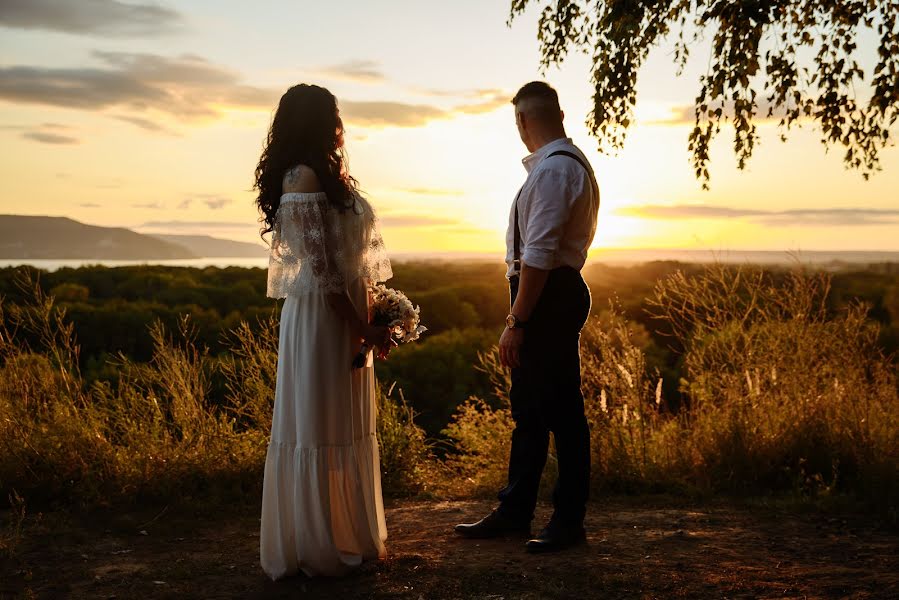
(532, 160)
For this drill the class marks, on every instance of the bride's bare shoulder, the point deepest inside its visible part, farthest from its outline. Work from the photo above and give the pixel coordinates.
(300, 179)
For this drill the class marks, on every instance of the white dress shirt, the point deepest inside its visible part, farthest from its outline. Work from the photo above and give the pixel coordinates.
(557, 209)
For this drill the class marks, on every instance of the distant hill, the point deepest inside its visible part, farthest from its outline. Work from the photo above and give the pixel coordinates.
(210, 247)
(38, 237)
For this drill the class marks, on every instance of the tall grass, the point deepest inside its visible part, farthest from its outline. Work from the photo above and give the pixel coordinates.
(784, 395)
(480, 437)
(408, 466)
(778, 395)
(153, 434)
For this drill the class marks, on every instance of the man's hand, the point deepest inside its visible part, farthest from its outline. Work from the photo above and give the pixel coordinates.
(530, 287)
(510, 347)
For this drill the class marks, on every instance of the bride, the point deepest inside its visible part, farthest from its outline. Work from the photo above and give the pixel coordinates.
(322, 511)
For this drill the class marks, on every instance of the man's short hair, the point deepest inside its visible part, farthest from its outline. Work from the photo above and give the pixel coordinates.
(541, 98)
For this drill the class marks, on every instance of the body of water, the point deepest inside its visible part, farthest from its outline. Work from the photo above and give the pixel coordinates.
(74, 263)
(762, 257)
(622, 257)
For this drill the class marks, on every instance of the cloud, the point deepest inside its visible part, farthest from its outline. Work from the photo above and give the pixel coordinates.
(480, 108)
(421, 191)
(792, 217)
(685, 211)
(212, 201)
(89, 205)
(190, 88)
(401, 114)
(187, 87)
(217, 203)
(413, 220)
(196, 225)
(475, 93)
(46, 133)
(358, 71)
(409, 220)
(478, 101)
(50, 138)
(386, 114)
(149, 205)
(145, 124)
(489, 101)
(398, 114)
(90, 17)
(677, 115)
(833, 217)
(684, 114)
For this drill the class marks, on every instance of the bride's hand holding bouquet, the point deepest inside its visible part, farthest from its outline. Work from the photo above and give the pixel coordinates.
(391, 312)
(376, 336)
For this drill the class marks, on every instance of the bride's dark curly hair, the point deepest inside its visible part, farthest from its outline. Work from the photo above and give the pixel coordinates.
(307, 130)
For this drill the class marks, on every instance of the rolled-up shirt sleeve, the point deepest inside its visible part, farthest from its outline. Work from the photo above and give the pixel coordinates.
(547, 208)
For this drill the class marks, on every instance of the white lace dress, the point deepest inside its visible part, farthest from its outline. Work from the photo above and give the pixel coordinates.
(322, 511)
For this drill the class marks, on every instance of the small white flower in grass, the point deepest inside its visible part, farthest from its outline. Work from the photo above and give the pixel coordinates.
(627, 376)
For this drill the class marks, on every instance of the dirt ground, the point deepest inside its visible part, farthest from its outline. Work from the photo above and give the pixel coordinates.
(636, 549)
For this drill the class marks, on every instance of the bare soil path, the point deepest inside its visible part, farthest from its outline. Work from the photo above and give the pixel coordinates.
(636, 549)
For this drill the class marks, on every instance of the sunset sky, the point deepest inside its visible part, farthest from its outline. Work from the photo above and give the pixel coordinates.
(152, 115)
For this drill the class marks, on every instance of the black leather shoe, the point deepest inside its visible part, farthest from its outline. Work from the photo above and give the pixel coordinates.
(494, 525)
(553, 539)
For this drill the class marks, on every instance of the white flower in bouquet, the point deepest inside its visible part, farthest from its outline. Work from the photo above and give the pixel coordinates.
(392, 309)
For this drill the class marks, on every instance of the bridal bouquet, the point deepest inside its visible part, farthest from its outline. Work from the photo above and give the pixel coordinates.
(392, 309)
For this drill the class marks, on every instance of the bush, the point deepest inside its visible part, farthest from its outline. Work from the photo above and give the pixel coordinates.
(153, 433)
(779, 391)
(436, 373)
(784, 394)
(407, 464)
(780, 395)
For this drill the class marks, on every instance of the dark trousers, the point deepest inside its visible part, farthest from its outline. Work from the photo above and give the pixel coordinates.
(546, 397)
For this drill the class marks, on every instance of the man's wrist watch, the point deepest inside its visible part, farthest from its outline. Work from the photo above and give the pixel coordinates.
(513, 322)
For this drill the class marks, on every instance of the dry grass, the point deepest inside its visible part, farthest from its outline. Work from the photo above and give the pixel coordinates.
(784, 395)
(781, 396)
(153, 434)
(408, 466)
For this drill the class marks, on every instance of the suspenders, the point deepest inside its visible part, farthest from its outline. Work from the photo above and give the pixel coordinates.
(516, 248)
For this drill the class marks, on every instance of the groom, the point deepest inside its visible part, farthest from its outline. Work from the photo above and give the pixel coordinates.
(551, 227)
